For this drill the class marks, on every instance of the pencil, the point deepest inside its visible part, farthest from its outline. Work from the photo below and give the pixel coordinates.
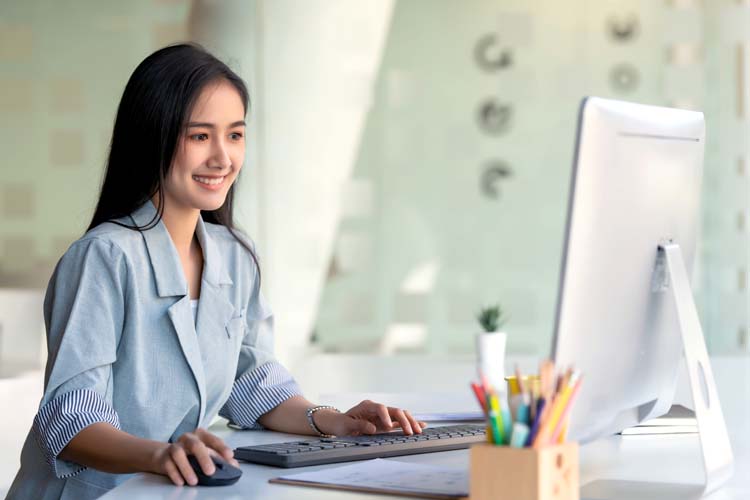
(562, 422)
(558, 406)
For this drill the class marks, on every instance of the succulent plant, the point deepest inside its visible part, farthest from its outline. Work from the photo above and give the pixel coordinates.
(491, 318)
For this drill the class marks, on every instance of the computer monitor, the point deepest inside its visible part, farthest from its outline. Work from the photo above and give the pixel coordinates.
(635, 185)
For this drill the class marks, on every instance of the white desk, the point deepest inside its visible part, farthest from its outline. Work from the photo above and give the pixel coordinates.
(641, 458)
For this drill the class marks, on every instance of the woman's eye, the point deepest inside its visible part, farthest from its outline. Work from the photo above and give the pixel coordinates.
(199, 137)
(236, 136)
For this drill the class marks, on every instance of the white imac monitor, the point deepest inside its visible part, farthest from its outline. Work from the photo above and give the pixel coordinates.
(625, 311)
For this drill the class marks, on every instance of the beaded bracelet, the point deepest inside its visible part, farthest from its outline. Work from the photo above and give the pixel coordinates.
(312, 410)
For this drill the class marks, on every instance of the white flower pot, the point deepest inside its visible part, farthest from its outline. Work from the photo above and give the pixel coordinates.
(491, 358)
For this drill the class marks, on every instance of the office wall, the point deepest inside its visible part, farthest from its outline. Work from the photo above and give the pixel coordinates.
(459, 192)
(63, 66)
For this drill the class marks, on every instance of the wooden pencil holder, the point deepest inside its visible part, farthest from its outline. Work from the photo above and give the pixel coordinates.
(505, 473)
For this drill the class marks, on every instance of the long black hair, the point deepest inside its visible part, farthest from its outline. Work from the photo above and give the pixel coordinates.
(152, 114)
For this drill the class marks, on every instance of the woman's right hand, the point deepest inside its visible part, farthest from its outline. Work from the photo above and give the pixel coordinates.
(172, 459)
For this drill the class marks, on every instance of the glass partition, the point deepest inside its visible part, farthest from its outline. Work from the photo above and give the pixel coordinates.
(459, 191)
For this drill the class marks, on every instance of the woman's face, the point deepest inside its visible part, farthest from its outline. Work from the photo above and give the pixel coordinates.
(210, 150)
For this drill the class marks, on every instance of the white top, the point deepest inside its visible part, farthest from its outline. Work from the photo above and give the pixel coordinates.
(194, 308)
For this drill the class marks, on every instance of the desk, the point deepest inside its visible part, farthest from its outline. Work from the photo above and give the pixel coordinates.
(642, 458)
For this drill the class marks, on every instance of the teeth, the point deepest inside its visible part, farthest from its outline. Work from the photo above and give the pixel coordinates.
(209, 181)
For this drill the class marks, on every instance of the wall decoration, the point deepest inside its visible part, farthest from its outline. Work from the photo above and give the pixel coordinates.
(624, 78)
(623, 29)
(66, 147)
(494, 117)
(18, 200)
(495, 172)
(490, 55)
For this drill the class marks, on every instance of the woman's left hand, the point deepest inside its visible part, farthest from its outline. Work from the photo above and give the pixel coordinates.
(368, 417)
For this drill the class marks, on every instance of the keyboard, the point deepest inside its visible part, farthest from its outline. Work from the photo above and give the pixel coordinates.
(346, 449)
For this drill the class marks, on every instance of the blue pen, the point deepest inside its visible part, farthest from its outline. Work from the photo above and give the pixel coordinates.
(520, 435)
(537, 422)
(535, 426)
(522, 414)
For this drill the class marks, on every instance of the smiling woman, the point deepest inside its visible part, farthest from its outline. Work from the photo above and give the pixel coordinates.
(211, 150)
(155, 318)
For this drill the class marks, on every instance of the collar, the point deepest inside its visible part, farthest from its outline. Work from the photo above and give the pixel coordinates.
(165, 262)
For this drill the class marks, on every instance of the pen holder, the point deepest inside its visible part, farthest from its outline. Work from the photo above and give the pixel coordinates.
(505, 473)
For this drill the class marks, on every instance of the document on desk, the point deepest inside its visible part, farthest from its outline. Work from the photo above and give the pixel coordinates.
(389, 477)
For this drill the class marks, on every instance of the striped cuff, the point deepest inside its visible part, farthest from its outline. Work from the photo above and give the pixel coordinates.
(257, 392)
(58, 421)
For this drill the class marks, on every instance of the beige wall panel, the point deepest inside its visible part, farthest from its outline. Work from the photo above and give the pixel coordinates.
(18, 200)
(65, 95)
(16, 95)
(16, 42)
(66, 147)
(166, 34)
(18, 249)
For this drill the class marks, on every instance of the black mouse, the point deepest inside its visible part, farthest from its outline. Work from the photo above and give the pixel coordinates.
(224, 476)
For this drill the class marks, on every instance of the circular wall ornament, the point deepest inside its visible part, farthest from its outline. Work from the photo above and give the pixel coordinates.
(489, 182)
(624, 78)
(623, 30)
(494, 117)
(490, 56)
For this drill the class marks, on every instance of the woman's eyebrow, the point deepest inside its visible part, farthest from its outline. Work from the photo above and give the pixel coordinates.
(240, 123)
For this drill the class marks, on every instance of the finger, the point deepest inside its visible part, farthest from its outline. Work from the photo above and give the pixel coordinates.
(360, 409)
(203, 456)
(174, 475)
(413, 422)
(227, 457)
(179, 457)
(398, 414)
(385, 419)
(364, 427)
(423, 424)
(216, 443)
(194, 446)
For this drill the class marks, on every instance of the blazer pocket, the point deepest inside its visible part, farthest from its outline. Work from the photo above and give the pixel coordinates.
(236, 327)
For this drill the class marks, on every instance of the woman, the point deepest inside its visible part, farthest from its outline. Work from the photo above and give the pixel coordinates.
(155, 320)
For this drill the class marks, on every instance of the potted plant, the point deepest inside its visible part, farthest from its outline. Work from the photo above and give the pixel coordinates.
(490, 343)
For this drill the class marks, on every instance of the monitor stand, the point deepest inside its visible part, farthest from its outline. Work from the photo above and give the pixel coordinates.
(716, 452)
(718, 461)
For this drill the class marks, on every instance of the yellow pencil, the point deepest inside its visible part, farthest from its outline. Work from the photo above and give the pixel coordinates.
(558, 406)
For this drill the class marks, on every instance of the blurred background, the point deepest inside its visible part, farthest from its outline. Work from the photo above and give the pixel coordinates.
(408, 161)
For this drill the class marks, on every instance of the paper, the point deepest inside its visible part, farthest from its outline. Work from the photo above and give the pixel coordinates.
(679, 420)
(390, 476)
(660, 429)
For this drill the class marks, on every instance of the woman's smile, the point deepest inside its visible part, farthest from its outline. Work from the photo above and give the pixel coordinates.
(211, 183)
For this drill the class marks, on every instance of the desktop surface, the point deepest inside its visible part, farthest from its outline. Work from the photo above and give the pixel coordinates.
(636, 458)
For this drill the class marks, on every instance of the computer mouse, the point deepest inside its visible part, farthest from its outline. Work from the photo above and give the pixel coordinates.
(224, 476)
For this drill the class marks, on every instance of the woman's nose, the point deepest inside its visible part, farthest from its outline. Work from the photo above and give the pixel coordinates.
(220, 155)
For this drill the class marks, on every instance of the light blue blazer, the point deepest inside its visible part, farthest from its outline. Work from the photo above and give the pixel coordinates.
(124, 349)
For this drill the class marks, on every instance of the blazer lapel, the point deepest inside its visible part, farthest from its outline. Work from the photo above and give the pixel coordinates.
(182, 320)
(165, 263)
(170, 282)
(214, 308)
